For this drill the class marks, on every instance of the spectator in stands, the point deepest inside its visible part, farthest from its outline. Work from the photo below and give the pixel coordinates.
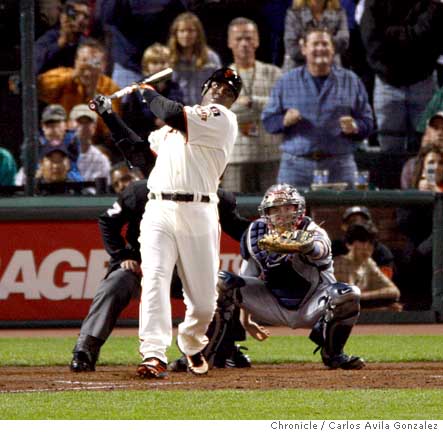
(403, 42)
(428, 174)
(382, 255)
(47, 15)
(215, 17)
(72, 86)
(54, 175)
(191, 58)
(273, 14)
(308, 14)
(57, 47)
(132, 26)
(54, 134)
(322, 111)
(8, 168)
(434, 106)
(134, 107)
(92, 163)
(253, 164)
(121, 176)
(358, 268)
(415, 267)
(354, 57)
(433, 134)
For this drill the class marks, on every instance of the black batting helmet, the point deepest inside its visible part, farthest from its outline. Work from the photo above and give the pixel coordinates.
(227, 76)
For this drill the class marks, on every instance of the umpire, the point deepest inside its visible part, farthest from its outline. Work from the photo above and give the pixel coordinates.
(122, 282)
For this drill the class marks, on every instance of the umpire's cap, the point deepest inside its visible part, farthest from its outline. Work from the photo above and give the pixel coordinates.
(224, 75)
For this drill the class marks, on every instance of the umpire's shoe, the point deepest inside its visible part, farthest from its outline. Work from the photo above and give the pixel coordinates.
(82, 361)
(342, 361)
(152, 367)
(197, 364)
(238, 359)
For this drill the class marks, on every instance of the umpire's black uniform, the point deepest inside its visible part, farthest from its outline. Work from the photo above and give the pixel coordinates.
(119, 285)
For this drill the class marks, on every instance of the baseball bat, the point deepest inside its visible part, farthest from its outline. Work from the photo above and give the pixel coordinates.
(162, 75)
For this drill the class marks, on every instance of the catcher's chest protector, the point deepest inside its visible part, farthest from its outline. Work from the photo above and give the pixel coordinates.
(288, 286)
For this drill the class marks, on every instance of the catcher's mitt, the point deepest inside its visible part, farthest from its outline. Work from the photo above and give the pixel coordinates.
(288, 242)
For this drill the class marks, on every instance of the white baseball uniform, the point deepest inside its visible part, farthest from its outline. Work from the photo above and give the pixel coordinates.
(183, 233)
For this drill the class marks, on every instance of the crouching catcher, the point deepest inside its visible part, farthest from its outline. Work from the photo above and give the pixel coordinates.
(294, 287)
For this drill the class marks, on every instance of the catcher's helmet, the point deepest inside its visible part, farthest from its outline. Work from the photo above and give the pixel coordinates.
(280, 195)
(227, 76)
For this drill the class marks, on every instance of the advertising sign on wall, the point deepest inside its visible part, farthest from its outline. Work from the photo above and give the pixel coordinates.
(50, 270)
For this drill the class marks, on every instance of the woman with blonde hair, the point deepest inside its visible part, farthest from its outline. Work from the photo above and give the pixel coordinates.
(304, 15)
(190, 57)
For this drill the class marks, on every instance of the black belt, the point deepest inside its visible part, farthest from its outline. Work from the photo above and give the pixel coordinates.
(317, 156)
(182, 197)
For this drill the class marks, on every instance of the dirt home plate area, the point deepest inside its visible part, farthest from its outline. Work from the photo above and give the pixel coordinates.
(260, 376)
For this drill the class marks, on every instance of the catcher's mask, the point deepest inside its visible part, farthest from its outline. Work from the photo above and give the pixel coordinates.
(227, 76)
(280, 195)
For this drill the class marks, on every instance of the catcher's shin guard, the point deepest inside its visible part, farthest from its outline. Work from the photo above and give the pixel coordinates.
(332, 331)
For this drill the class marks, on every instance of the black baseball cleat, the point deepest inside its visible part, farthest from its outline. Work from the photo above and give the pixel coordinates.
(197, 364)
(152, 367)
(82, 361)
(179, 365)
(238, 359)
(343, 361)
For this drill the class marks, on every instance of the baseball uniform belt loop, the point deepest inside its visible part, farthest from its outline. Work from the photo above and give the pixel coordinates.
(181, 197)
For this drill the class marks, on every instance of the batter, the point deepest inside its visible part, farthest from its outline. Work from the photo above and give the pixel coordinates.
(180, 225)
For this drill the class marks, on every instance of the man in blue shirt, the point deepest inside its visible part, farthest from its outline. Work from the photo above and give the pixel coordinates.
(322, 111)
(57, 47)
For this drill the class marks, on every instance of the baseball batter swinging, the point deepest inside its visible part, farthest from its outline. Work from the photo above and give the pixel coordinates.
(180, 225)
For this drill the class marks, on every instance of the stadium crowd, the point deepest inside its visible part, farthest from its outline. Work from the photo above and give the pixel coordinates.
(329, 86)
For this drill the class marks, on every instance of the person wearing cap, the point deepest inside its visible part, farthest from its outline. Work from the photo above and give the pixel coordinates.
(433, 134)
(54, 134)
(382, 255)
(434, 106)
(358, 268)
(54, 174)
(92, 163)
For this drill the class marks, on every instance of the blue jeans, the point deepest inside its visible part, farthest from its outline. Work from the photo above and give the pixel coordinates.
(298, 171)
(397, 110)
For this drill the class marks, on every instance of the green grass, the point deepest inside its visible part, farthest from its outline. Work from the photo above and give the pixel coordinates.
(225, 404)
(277, 349)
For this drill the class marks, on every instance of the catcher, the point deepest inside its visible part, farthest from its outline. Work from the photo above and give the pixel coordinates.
(287, 278)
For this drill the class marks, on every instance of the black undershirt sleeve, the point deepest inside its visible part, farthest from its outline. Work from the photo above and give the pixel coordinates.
(119, 128)
(171, 112)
